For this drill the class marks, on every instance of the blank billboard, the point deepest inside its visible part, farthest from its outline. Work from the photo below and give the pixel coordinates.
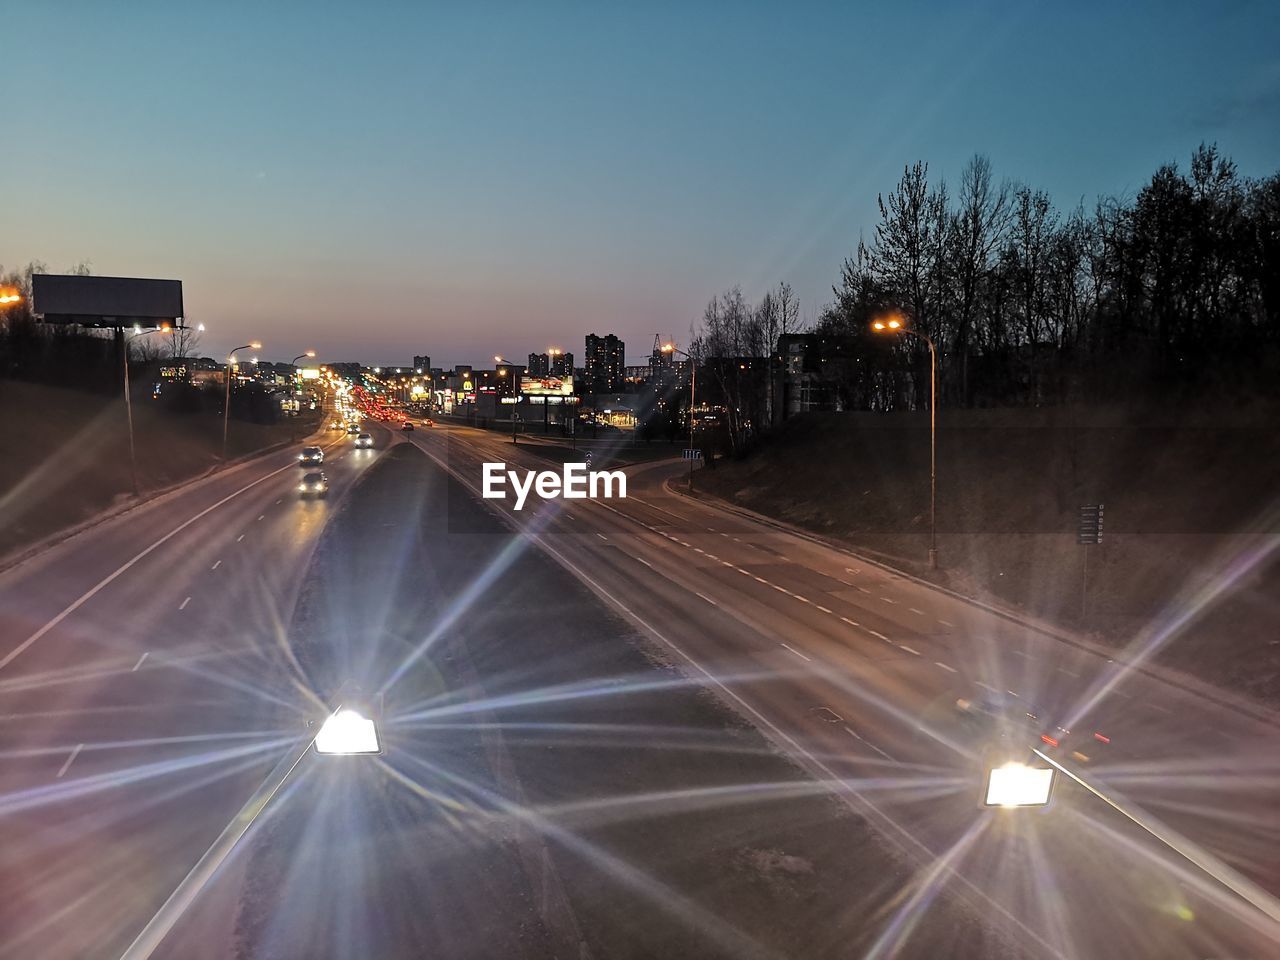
(105, 301)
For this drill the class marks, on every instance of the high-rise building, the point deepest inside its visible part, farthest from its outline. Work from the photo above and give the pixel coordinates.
(604, 363)
(553, 363)
(421, 364)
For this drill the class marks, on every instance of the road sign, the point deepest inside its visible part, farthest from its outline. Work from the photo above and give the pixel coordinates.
(691, 454)
(588, 459)
(1089, 524)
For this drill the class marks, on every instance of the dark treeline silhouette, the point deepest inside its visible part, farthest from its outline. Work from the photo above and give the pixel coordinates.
(1174, 293)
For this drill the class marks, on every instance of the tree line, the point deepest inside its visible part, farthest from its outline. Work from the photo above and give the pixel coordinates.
(1172, 292)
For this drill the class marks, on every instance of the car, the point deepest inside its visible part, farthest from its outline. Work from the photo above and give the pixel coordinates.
(407, 425)
(310, 456)
(353, 429)
(429, 422)
(997, 720)
(314, 484)
(335, 425)
(364, 440)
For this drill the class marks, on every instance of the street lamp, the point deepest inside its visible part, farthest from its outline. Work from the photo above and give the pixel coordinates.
(896, 322)
(128, 399)
(9, 296)
(226, 409)
(498, 358)
(693, 390)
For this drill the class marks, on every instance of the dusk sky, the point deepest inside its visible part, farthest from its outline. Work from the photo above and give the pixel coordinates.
(379, 180)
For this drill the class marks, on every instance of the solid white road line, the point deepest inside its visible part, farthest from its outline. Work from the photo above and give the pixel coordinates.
(853, 733)
(183, 604)
(798, 653)
(139, 663)
(74, 753)
(120, 570)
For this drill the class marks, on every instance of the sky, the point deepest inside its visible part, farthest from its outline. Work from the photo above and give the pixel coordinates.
(380, 180)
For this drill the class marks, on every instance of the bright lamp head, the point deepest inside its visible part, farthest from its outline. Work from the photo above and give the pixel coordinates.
(347, 731)
(1018, 785)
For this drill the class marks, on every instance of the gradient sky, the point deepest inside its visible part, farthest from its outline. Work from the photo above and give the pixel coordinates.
(376, 180)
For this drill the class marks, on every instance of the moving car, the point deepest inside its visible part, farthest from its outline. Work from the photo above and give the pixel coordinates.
(353, 428)
(314, 484)
(407, 425)
(335, 424)
(997, 720)
(311, 455)
(364, 440)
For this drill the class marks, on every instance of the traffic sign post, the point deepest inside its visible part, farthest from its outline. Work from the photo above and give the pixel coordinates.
(691, 454)
(1088, 534)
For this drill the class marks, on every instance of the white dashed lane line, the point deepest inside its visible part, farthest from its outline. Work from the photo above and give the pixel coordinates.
(853, 733)
(888, 600)
(280, 501)
(602, 536)
(798, 653)
(945, 623)
(875, 633)
(1069, 673)
(986, 686)
(822, 608)
(911, 650)
(139, 663)
(852, 623)
(706, 598)
(183, 604)
(74, 753)
(216, 565)
(945, 666)
(239, 538)
(261, 515)
(918, 613)
(645, 562)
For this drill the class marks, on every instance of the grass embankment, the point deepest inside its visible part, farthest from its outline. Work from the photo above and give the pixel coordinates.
(66, 454)
(1191, 509)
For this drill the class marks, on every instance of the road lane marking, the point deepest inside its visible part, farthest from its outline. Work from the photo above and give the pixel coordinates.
(762, 580)
(798, 653)
(822, 608)
(712, 556)
(919, 613)
(645, 562)
(706, 598)
(602, 536)
(183, 604)
(864, 589)
(726, 563)
(855, 736)
(280, 501)
(850, 570)
(945, 666)
(800, 598)
(852, 623)
(261, 515)
(1069, 673)
(699, 550)
(239, 538)
(139, 663)
(945, 623)
(216, 565)
(740, 570)
(1156, 706)
(1011, 693)
(911, 650)
(880, 635)
(74, 753)
(986, 686)
(1022, 653)
(888, 600)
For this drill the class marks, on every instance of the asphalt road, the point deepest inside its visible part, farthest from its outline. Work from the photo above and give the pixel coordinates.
(558, 779)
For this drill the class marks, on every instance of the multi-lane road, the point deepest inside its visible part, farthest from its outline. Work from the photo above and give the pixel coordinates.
(622, 727)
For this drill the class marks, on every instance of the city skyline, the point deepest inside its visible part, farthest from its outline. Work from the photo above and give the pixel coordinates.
(588, 170)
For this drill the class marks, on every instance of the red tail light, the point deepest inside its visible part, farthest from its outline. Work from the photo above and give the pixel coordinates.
(1048, 739)
(1101, 739)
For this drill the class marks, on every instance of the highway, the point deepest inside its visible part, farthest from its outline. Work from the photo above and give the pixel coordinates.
(630, 728)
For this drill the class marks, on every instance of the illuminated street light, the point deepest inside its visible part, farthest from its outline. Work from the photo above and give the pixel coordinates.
(128, 399)
(226, 410)
(9, 296)
(896, 322)
(693, 391)
(1018, 785)
(347, 732)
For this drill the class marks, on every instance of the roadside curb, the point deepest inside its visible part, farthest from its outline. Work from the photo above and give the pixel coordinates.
(20, 556)
(1184, 682)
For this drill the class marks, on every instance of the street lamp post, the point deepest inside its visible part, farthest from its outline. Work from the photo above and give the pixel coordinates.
(515, 393)
(693, 392)
(896, 323)
(226, 409)
(293, 386)
(128, 401)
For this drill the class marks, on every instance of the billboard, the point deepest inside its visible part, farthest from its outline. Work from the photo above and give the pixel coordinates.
(105, 301)
(547, 386)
